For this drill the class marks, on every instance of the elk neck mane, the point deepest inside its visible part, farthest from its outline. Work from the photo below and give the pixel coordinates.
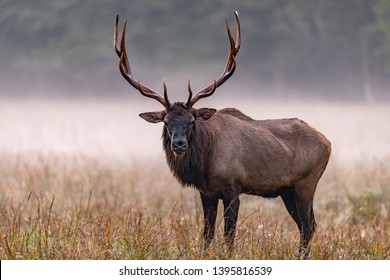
(191, 168)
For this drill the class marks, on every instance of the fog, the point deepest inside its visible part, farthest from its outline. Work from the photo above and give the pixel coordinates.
(111, 128)
(326, 62)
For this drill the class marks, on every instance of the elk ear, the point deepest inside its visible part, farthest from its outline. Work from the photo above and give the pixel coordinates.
(204, 113)
(153, 117)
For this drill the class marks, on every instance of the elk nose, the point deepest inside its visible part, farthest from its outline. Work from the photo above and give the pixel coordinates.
(179, 146)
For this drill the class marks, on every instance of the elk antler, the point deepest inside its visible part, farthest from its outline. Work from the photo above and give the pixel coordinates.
(124, 67)
(227, 73)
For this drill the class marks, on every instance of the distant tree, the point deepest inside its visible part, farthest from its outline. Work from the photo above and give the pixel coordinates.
(341, 46)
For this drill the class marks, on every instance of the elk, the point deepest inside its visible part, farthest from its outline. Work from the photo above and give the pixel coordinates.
(225, 153)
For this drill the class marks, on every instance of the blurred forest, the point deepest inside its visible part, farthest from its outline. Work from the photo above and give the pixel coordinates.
(329, 49)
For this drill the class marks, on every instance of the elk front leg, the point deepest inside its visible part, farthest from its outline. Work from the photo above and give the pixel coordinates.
(231, 207)
(210, 207)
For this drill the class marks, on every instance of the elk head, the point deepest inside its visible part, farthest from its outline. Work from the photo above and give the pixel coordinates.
(179, 118)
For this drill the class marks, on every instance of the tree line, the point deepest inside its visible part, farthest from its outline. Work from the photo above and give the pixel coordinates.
(342, 46)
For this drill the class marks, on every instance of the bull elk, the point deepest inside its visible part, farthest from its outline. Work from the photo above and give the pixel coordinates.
(225, 153)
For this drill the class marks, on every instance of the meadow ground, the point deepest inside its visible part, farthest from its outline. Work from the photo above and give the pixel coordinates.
(88, 180)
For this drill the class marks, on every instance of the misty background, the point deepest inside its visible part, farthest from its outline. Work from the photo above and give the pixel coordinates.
(317, 49)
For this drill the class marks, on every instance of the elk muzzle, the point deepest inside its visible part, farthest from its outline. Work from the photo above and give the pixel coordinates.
(179, 144)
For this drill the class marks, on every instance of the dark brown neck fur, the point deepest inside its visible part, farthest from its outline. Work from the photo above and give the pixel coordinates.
(191, 168)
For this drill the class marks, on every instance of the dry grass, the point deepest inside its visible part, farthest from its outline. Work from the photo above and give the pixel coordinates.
(59, 204)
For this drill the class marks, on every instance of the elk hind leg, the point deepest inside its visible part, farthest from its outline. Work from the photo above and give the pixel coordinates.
(304, 195)
(288, 197)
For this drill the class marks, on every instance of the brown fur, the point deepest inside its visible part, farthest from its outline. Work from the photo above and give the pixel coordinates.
(231, 153)
(226, 153)
(256, 157)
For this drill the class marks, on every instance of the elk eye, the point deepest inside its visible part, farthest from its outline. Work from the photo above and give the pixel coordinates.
(165, 123)
(192, 122)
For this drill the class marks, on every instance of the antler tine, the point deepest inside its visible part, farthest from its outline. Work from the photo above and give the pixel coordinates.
(189, 93)
(117, 49)
(166, 94)
(230, 67)
(124, 67)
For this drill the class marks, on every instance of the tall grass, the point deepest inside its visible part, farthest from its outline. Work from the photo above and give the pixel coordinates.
(74, 185)
(68, 208)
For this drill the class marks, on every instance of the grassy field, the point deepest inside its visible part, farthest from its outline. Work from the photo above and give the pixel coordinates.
(88, 180)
